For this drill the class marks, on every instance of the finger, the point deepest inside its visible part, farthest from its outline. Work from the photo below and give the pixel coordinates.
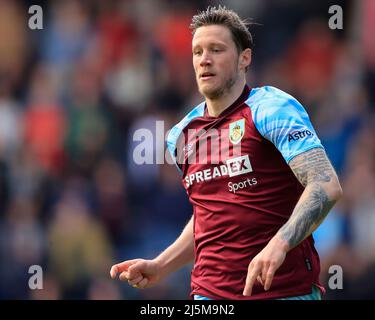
(114, 271)
(259, 278)
(135, 269)
(250, 279)
(124, 276)
(120, 267)
(269, 278)
(136, 280)
(264, 271)
(143, 283)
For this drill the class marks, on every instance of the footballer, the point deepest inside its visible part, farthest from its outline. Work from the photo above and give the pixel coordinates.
(255, 208)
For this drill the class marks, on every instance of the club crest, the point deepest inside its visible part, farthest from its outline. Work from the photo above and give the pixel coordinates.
(236, 131)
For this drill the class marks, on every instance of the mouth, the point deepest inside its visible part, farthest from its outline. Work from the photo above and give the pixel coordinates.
(206, 75)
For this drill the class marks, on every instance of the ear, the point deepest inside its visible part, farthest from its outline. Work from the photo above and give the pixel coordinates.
(245, 58)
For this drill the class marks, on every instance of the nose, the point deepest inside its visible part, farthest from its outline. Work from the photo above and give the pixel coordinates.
(205, 59)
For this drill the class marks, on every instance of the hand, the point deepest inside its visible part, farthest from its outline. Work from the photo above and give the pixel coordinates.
(138, 272)
(265, 264)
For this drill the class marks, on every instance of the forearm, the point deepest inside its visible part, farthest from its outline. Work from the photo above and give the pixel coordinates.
(180, 253)
(309, 213)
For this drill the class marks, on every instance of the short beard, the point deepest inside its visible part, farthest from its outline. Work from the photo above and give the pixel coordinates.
(219, 92)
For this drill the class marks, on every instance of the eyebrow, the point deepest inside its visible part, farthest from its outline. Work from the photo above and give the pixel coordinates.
(211, 44)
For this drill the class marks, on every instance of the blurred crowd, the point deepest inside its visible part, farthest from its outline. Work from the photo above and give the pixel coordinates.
(72, 199)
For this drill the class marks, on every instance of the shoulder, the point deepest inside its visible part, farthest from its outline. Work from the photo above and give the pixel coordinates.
(270, 99)
(198, 111)
(176, 130)
(270, 105)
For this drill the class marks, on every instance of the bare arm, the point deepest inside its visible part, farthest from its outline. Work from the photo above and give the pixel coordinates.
(180, 253)
(322, 189)
(142, 273)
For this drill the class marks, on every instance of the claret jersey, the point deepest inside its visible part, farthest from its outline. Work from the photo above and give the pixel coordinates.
(235, 171)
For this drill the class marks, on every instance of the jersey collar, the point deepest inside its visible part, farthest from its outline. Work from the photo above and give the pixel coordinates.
(240, 100)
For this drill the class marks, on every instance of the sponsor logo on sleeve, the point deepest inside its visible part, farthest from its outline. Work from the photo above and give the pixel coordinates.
(300, 134)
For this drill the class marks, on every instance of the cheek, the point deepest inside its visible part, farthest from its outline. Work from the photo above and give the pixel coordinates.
(232, 68)
(195, 63)
(227, 69)
(195, 67)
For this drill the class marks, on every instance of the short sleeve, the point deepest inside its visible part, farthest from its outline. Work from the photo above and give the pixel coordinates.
(176, 131)
(282, 120)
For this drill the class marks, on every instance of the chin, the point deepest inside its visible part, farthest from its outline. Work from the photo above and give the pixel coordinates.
(211, 93)
(208, 89)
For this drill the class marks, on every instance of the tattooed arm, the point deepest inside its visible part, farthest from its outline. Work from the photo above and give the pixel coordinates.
(322, 189)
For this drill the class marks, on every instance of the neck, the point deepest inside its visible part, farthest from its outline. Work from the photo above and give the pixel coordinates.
(216, 106)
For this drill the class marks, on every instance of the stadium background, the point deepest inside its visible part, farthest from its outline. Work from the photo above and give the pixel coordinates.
(71, 95)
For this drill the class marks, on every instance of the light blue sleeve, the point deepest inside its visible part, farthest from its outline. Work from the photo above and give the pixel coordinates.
(282, 120)
(176, 131)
